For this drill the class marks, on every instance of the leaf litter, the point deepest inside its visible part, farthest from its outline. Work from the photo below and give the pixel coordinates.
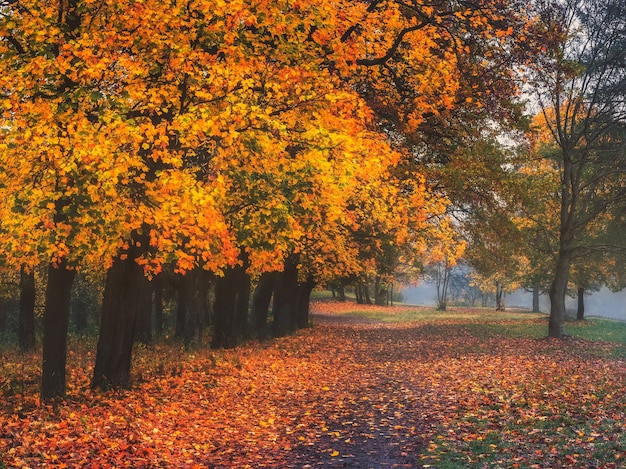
(346, 393)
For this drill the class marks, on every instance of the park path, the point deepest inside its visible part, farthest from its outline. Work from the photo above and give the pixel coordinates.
(372, 406)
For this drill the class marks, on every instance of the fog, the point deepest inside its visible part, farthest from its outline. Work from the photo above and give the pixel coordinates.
(604, 303)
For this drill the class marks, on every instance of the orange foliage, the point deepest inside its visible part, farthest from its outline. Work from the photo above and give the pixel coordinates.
(215, 124)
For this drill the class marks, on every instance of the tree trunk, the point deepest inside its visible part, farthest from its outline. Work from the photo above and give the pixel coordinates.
(159, 323)
(557, 293)
(382, 298)
(232, 297)
(286, 298)
(143, 332)
(443, 279)
(181, 307)
(56, 318)
(194, 293)
(358, 293)
(26, 322)
(4, 308)
(341, 293)
(303, 302)
(242, 306)
(366, 293)
(124, 291)
(536, 299)
(499, 297)
(261, 302)
(580, 313)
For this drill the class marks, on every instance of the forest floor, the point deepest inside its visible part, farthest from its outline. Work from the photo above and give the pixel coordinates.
(390, 387)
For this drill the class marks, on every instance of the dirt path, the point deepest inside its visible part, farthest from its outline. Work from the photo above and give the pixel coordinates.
(371, 411)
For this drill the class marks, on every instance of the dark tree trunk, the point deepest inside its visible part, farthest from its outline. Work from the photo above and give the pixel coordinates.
(56, 318)
(159, 323)
(303, 302)
(143, 332)
(341, 293)
(261, 302)
(232, 298)
(580, 313)
(558, 290)
(381, 298)
(499, 297)
(536, 299)
(366, 293)
(242, 306)
(209, 298)
(4, 308)
(181, 307)
(26, 322)
(358, 293)
(286, 298)
(195, 295)
(124, 294)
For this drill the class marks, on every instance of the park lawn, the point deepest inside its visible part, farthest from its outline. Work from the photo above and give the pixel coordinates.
(364, 387)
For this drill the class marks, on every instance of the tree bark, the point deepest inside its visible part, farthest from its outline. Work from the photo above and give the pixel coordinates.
(303, 303)
(143, 333)
(341, 293)
(4, 308)
(261, 302)
(536, 299)
(499, 297)
(232, 298)
(358, 293)
(366, 293)
(193, 312)
(557, 293)
(26, 322)
(56, 318)
(181, 307)
(286, 298)
(124, 291)
(159, 324)
(580, 313)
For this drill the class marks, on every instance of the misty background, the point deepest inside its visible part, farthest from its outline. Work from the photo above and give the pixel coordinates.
(603, 303)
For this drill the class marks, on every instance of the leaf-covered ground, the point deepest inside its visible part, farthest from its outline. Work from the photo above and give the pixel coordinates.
(354, 391)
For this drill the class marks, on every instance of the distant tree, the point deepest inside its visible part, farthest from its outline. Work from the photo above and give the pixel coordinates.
(581, 89)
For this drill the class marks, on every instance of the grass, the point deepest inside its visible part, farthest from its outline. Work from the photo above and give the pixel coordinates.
(486, 322)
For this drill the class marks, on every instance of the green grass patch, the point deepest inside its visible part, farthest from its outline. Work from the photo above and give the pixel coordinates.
(598, 329)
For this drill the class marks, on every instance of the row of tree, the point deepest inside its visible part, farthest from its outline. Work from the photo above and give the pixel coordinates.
(266, 147)
(265, 144)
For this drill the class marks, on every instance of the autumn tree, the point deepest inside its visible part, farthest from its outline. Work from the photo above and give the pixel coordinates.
(580, 90)
(234, 138)
(80, 157)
